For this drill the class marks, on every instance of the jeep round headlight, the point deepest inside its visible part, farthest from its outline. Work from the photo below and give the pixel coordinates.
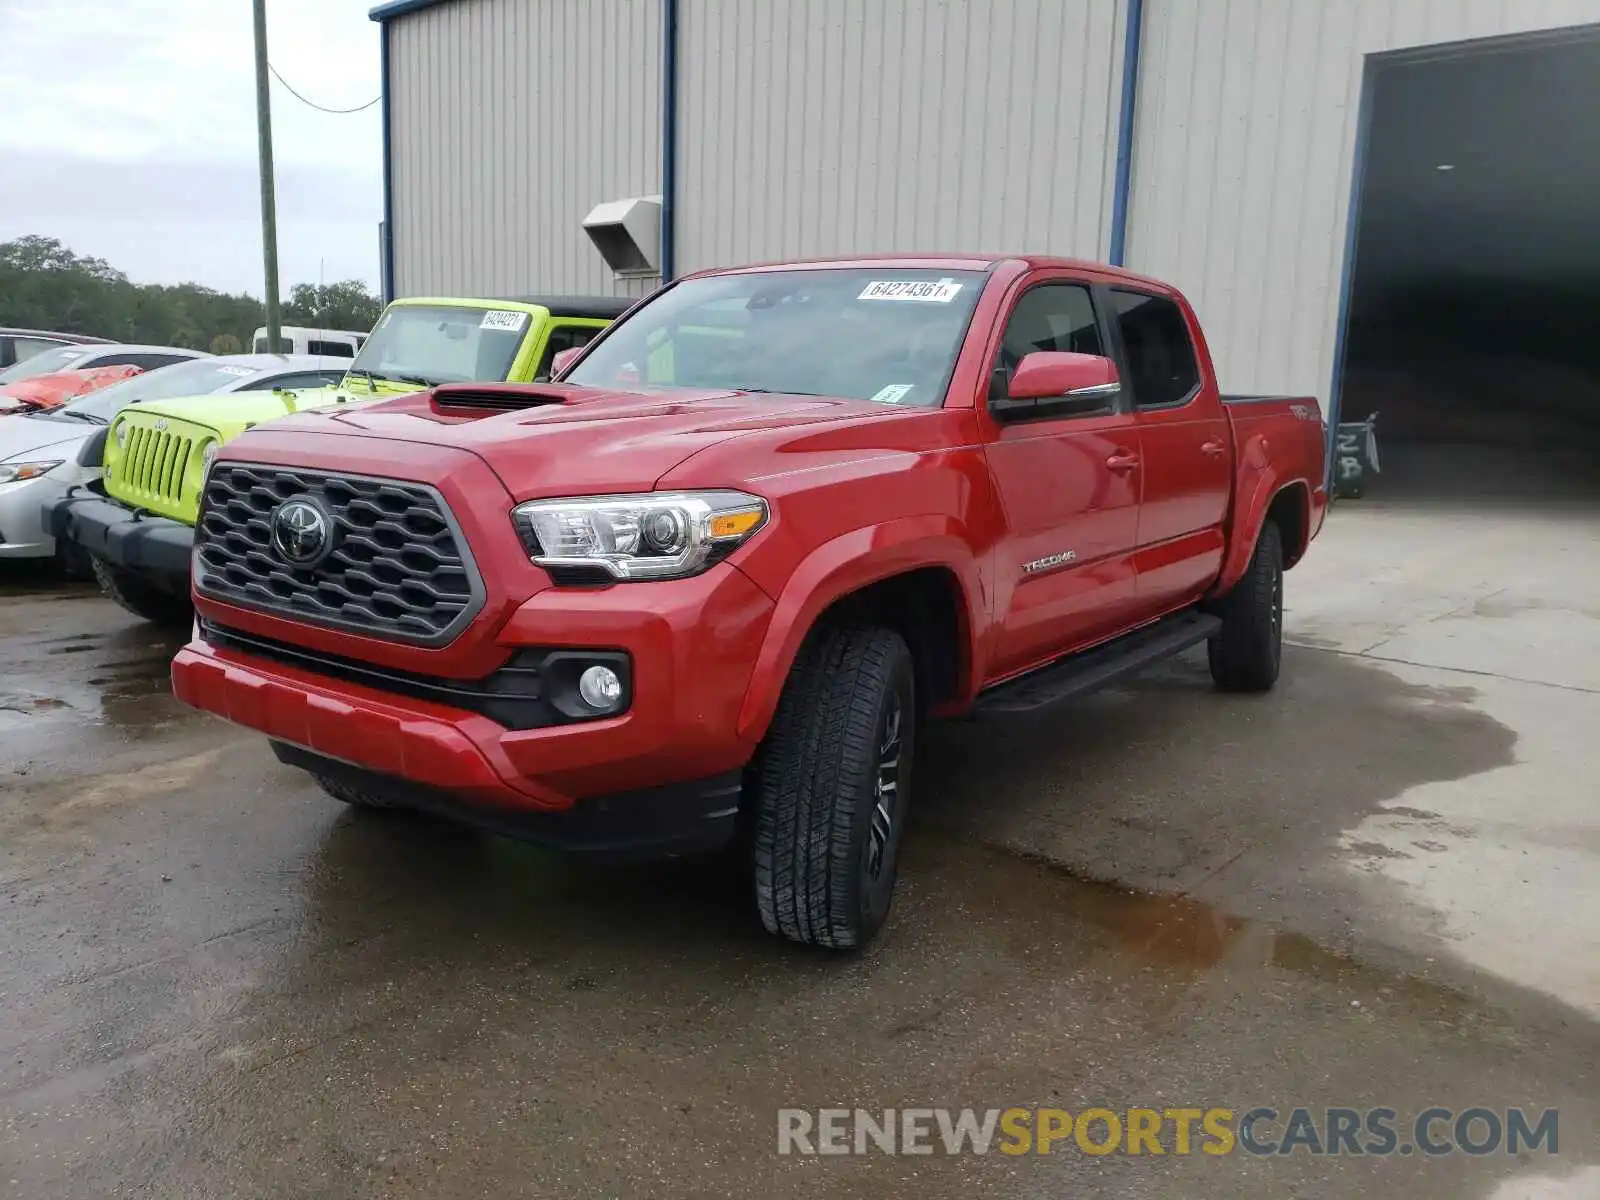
(121, 433)
(208, 453)
(666, 535)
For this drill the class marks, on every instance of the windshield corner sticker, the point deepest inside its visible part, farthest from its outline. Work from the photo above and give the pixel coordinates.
(501, 318)
(928, 291)
(893, 394)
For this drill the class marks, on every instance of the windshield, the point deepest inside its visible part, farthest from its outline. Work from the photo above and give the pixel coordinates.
(442, 343)
(868, 334)
(61, 358)
(197, 377)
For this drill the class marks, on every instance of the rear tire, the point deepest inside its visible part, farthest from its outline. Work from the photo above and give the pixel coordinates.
(142, 598)
(1246, 654)
(832, 788)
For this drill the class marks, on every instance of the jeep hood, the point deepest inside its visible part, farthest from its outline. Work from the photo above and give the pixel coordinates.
(580, 440)
(231, 413)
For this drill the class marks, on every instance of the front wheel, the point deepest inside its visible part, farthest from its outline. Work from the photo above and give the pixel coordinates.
(1246, 653)
(832, 788)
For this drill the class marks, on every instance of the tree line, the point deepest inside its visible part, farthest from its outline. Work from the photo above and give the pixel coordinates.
(44, 285)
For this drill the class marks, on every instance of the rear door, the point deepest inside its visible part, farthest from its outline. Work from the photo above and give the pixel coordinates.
(1184, 445)
(1070, 490)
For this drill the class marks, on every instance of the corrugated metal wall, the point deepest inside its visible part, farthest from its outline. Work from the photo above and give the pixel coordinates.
(510, 120)
(815, 127)
(1244, 144)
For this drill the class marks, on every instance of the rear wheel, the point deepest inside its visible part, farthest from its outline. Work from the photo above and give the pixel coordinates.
(1246, 653)
(832, 788)
(141, 597)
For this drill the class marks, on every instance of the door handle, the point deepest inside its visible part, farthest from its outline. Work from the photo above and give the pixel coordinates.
(1214, 448)
(1123, 461)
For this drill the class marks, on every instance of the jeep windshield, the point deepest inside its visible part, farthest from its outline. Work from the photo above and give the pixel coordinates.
(868, 334)
(427, 344)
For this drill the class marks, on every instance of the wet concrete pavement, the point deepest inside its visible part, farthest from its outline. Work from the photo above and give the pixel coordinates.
(1376, 887)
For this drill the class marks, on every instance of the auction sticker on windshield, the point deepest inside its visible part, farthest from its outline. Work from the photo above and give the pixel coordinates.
(941, 292)
(499, 318)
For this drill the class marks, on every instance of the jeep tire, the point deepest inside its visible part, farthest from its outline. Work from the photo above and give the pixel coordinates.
(142, 598)
(831, 788)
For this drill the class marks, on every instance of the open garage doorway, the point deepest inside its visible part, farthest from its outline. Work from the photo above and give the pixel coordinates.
(1474, 306)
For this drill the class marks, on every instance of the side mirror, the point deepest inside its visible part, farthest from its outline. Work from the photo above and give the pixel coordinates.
(563, 360)
(1052, 383)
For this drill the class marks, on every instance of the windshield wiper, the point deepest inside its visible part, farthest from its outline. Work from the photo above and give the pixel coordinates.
(372, 378)
(772, 391)
(67, 414)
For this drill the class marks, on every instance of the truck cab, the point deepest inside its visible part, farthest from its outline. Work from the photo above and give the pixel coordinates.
(138, 529)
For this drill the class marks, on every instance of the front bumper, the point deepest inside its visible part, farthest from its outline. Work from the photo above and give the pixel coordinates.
(115, 532)
(693, 645)
(22, 529)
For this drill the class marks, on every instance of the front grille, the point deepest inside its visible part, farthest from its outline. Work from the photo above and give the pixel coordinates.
(398, 569)
(153, 463)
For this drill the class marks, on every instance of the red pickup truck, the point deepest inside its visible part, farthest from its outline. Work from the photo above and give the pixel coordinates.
(708, 588)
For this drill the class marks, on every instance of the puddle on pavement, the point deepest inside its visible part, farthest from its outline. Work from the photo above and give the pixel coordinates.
(122, 679)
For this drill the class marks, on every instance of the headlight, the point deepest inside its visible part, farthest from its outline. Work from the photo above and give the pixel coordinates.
(208, 454)
(666, 535)
(121, 433)
(14, 472)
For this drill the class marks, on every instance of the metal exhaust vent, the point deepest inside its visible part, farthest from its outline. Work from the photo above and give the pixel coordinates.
(628, 234)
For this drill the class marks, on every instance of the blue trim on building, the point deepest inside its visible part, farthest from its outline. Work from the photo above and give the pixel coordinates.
(398, 8)
(1358, 179)
(669, 139)
(1131, 37)
(388, 166)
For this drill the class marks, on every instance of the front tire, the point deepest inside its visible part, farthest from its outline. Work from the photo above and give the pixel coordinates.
(1246, 654)
(832, 788)
(142, 598)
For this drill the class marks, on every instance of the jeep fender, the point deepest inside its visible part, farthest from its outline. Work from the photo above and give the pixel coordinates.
(845, 565)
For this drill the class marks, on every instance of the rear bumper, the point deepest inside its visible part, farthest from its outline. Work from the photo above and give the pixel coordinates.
(112, 531)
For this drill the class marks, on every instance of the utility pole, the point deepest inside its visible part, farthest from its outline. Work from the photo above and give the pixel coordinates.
(269, 208)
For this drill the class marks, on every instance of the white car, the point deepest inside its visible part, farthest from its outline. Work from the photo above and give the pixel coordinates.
(42, 455)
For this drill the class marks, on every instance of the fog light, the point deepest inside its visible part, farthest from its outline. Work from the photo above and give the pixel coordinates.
(600, 688)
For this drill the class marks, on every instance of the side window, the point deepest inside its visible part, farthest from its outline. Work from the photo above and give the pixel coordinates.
(146, 360)
(26, 347)
(336, 349)
(1054, 316)
(1161, 363)
(563, 337)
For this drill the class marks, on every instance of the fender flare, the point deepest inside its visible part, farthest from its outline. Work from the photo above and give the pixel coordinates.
(840, 567)
(1259, 485)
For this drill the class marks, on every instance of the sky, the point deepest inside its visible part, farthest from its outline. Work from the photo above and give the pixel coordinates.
(128, 131)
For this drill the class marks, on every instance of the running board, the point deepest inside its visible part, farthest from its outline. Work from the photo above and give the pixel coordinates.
(1080, 673)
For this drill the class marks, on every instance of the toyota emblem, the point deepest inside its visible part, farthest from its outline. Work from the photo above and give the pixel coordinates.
(302, 532)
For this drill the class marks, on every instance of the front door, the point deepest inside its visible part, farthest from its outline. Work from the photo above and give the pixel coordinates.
(1070, 490)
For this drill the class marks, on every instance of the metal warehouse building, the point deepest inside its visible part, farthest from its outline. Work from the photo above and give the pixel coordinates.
(1304, 169)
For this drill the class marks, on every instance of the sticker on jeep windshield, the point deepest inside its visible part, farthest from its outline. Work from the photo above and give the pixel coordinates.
(927, 290)
(500, 318)
(239, 372)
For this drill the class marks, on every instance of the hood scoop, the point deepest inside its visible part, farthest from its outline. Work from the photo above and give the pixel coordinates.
(496, 397)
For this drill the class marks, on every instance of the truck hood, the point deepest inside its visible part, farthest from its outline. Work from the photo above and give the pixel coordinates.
(25, 435)
(584, 440)
(231, 413)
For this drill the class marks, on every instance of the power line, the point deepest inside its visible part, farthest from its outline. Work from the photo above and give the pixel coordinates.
(314, 104)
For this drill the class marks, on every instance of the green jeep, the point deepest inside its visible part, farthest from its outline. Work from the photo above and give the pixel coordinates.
(139, 531)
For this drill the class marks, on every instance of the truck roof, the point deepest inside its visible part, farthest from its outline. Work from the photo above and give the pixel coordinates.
(947, 262)
(597, 307)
